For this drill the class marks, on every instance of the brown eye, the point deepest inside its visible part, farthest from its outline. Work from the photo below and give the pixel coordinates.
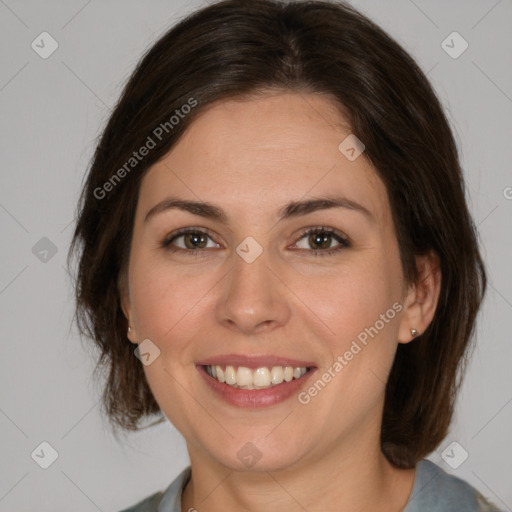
(195, 240)
(188, 240)
(320, 240)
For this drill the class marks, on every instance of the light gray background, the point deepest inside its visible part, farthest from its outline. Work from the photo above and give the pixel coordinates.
(52, 111)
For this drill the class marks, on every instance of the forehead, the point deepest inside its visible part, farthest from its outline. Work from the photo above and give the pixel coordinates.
(263, 152)
(281, 126)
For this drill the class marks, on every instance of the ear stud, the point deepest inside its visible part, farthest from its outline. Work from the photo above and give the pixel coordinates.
(414, 333)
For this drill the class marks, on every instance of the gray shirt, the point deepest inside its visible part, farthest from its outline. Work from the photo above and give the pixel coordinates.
(433, 490)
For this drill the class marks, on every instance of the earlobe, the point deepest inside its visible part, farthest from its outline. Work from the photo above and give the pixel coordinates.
(131, 335)
(422, 298)
(126, 308)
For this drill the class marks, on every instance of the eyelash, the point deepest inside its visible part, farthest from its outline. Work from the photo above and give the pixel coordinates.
(344, 243)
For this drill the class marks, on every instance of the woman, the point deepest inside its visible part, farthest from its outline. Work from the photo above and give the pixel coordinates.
(276, 254)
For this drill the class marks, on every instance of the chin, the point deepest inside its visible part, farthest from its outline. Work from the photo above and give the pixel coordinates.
(254, 456)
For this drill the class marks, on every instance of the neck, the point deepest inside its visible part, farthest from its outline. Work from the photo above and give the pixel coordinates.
(352, 476)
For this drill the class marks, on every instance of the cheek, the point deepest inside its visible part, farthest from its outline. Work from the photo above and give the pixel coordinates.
(168, 310)
(361, 310)
(164, 300)
(358, 306)
(350, 298)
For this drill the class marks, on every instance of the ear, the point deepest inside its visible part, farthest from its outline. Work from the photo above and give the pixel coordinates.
(126, 306)
(422, 297)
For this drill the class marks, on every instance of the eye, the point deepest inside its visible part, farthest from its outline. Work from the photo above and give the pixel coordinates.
(192, 239)
(320, 240)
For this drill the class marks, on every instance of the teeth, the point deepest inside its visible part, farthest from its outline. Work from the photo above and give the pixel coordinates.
(277, 374)
(243, 376)
(261, 378)
(230, 375)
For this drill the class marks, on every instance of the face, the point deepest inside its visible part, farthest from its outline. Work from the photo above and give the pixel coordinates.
(259, 284)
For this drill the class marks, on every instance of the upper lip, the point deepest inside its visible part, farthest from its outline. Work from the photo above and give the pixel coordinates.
(253, 361)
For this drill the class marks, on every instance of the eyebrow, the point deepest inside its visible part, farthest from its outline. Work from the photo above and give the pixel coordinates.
(292, 209)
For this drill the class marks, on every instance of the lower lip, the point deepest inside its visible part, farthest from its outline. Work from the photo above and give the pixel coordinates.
(255, 397)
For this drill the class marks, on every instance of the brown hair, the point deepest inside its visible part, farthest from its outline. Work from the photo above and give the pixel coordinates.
(236, 48)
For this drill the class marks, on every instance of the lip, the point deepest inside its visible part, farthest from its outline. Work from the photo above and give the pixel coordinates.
(253, 362)
(255, 398)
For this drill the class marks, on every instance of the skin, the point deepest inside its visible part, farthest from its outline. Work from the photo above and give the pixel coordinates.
(250, 158)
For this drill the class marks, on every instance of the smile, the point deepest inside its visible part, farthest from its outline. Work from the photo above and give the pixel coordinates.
(254, 381)
(260, 378)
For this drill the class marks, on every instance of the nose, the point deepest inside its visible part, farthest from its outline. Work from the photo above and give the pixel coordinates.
(253, 299)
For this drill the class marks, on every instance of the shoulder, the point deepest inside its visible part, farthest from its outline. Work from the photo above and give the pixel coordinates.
(435, 490)
(168, 500)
